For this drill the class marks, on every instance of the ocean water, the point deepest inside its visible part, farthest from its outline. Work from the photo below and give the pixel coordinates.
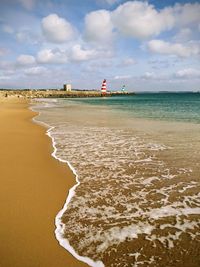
(137, 165)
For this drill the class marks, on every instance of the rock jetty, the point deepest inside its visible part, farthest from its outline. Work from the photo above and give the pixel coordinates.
(55, 93)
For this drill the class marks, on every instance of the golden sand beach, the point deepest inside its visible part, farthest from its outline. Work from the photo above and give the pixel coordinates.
(33, 189)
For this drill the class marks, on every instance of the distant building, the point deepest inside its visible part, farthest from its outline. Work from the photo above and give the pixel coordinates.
(67, 87)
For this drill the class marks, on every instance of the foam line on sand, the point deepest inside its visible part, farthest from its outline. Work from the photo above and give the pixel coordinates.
(59, 225)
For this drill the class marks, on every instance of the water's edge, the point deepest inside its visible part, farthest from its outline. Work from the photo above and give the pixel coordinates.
(59, 225)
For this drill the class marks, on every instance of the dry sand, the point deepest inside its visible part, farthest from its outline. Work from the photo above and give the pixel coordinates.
(33, 189)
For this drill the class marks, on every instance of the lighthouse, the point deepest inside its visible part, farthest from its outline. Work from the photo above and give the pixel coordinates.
(103, 87)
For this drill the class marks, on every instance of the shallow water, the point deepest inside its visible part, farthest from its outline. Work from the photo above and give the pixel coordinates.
(138, 202)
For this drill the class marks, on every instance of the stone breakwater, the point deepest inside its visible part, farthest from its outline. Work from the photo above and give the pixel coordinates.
(57, 93)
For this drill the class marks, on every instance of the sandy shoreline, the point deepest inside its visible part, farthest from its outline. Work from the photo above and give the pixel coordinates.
(33, 189)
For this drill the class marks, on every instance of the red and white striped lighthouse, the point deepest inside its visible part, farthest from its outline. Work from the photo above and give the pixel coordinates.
(103, 87)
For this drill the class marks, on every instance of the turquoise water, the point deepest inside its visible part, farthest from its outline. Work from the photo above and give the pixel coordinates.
(162, 106)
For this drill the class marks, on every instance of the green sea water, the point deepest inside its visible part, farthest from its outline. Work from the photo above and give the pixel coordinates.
(183, 107)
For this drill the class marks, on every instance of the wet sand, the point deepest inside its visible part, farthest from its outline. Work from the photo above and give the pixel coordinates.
(33, 189)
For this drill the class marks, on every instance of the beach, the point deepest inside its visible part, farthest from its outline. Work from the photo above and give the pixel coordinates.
(33, 189)
(136, 199)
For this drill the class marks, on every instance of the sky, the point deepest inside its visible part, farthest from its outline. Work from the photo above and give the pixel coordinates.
(145, 45)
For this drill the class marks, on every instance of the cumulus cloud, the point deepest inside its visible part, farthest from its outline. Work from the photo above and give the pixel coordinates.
(25, 60)
(98, 26)
(188, 73)
(51, 56)
(177, 49)
(80, 54)
(57, 29)
(141, 20)
(75, 53)
(35, 71)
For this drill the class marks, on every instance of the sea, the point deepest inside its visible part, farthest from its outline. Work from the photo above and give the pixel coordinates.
(136, 163)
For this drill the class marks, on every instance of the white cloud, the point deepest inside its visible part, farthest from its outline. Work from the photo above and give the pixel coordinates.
(141, 20)
(57, 29)
(188, 73)
(35, 71)
(25, 60)
(98, 26)
(79, 54)
(177, 49)
(54, 56)
(74, 53)
(28, 4)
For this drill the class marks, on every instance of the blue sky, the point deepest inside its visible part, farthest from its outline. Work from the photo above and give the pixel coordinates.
(146, 45)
